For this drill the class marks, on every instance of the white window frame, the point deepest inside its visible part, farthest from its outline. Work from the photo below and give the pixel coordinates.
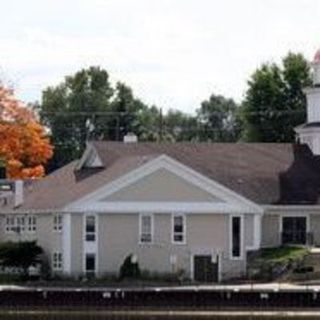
(9, 228)
(151, 216)
(94, 216)
(90, 247)
(19, 224)
(57, 261)
(242, 245)
(57, 222)
(184, 225)
(31, 227)
(94, 272)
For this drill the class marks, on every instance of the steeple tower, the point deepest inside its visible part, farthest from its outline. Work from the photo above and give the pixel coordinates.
(309, 132)
(316, 69)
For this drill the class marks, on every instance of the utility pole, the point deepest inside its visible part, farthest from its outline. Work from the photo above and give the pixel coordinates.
(89, 128)
(117, 127)
(161, 126)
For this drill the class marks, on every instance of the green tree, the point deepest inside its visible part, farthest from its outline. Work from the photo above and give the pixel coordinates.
(274, 102)
(148, 119)
(66, 109)
(218, 119)
(125, 110)
(129, 269)
(20, 255)
(85, 106)
(179, 126)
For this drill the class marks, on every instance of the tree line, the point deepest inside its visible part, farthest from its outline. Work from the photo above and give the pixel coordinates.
(86, 106)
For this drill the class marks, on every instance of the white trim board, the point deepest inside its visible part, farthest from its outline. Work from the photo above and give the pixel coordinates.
(177, 168)
(90, 247)
(184, 228)
(66, 243)
(151, 215)
(272, 209)
(158, 207)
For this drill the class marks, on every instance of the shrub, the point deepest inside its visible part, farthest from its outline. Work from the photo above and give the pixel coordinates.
(129, 269)
(20, 255)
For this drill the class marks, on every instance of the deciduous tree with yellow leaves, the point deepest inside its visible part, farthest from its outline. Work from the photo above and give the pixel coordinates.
(24, 146)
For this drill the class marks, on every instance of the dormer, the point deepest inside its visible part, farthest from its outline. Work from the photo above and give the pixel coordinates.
(90, 158)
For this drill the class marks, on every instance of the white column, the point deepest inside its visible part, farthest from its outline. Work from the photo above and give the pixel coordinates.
(66, 243)
(257, 231)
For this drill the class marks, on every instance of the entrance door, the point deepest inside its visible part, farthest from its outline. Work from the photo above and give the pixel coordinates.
(204, 269)
(294, 230)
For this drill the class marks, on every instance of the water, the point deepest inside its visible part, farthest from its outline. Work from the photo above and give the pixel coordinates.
(101, 316)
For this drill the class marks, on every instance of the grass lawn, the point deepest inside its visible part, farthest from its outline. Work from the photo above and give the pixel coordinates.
(283, 254)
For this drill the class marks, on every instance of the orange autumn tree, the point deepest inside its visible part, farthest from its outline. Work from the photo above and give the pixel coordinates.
(24, 146)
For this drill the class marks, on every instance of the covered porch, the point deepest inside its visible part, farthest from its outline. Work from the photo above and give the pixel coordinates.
(291, 225)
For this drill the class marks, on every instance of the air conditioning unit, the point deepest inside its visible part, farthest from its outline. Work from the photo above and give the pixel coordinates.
(6, 188)
(11, 189)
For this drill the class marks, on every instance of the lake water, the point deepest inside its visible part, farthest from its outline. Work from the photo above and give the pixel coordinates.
(90, 316)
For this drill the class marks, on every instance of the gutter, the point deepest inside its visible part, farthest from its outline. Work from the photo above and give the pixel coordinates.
(308, 208)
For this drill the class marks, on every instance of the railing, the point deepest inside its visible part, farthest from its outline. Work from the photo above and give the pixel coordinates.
(297, 237)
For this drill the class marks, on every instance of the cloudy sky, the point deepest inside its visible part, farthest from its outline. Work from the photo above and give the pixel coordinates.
(173, 53)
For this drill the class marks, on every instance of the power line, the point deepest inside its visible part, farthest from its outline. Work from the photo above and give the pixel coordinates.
(123, 113)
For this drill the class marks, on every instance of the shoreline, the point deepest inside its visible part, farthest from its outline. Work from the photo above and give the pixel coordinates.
(172, 313)
(258, 298)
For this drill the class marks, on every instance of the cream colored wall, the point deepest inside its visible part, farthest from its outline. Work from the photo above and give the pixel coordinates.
(270, 231)
(6, 236)
(161, 186)
(46, 237)
(271, 225)
(119, 237)
(76, 244)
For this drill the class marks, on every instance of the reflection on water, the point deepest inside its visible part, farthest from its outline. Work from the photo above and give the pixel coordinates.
(88, 316)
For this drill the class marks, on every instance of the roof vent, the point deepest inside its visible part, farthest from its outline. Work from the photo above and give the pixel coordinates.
(130, 138)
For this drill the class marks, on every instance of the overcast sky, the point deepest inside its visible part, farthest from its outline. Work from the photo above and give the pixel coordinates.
(173, 53)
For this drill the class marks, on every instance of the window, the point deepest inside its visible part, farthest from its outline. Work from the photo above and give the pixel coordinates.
(90, 264)
(20, 224)
(57, 222)
(57, 261)
(21, 221)
(90, 228)
(146, 228)
(10, 224)
(32, 223)
(179, 229)
(236, 237)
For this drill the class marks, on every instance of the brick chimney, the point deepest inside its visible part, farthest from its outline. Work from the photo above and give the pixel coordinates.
(130, 137)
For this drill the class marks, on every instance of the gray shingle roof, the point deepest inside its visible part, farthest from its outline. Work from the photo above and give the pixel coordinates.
(250, 169)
